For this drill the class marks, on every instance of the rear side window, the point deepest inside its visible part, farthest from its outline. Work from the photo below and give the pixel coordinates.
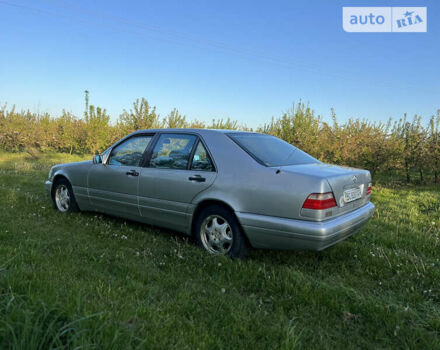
(172, 151)
(129, 152)
(201, 159)
(270, 150)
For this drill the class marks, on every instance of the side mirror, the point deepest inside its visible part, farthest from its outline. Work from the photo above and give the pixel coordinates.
(97, 159)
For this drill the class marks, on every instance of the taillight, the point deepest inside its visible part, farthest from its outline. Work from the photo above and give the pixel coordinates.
(320, 201)
(369, 189)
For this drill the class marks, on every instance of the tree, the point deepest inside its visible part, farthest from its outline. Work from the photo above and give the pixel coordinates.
(433, 146)
(197, 124)
(97, 126)
(227, 124)
(412, 137)
(175, 120)
(142, 116)
(67, 132)
(403, 145)
(298, 126)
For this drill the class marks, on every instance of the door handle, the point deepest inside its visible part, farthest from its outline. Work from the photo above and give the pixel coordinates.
(132, 173)
(197, 178)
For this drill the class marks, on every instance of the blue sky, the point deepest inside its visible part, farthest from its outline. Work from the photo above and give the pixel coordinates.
(248, 60)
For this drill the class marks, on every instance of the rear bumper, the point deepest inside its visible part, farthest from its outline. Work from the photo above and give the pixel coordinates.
(280, 233)
(48, 187)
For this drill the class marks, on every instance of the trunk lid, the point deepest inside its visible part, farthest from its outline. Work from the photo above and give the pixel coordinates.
(340, 179)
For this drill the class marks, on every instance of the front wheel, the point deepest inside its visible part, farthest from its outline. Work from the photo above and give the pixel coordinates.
(63, 197)
(218, 232)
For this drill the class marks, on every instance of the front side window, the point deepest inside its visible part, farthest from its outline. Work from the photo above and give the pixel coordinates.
(201, 159)
(172, 151)
(129, 153)
(270, 150)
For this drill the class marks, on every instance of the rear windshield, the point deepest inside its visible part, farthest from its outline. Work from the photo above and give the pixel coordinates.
(270, 150)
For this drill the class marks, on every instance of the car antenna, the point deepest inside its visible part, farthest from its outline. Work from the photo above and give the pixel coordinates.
(287, 159)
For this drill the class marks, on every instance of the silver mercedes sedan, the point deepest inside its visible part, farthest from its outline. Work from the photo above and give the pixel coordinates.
(229, 190)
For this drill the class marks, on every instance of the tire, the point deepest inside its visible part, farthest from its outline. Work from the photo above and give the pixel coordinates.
(63, 198)
(222, 234)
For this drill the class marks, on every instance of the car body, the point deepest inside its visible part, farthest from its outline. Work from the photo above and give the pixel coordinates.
(296, 203)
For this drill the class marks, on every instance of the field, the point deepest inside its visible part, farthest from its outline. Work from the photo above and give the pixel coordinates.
(87, 280)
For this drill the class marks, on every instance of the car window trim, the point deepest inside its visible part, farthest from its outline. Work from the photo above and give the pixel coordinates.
(149, 151)
(128, 138)
(193, 151)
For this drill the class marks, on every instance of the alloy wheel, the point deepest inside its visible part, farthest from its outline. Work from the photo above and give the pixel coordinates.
(62, 198)
(216, 235)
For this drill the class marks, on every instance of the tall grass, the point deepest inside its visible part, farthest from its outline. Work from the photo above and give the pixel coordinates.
(92, 281)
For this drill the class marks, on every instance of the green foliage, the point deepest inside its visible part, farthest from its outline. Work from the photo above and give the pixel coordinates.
(433, 147)
(227, 124)
(405, 145)
(413, 145)
(175, 120)
(142, 116)
(97, 126)
(298, 126)
(360, 143)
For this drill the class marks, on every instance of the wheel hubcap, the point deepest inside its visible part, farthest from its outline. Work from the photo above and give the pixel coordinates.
(62, 198)
(216, 235)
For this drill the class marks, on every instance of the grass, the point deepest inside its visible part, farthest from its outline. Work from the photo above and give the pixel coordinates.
(88, 280)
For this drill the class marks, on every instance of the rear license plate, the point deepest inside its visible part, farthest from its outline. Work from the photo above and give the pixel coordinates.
(352, 194)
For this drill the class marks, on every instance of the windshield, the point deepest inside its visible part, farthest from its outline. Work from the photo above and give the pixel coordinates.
(270, 150)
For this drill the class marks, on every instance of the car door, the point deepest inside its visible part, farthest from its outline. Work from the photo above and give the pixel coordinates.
(113, 186)
(179, 168)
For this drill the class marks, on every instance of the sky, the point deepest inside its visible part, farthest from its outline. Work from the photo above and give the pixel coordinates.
(247, 60)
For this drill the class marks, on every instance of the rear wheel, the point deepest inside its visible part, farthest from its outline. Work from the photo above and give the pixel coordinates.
(63, 197)
(218, 231)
